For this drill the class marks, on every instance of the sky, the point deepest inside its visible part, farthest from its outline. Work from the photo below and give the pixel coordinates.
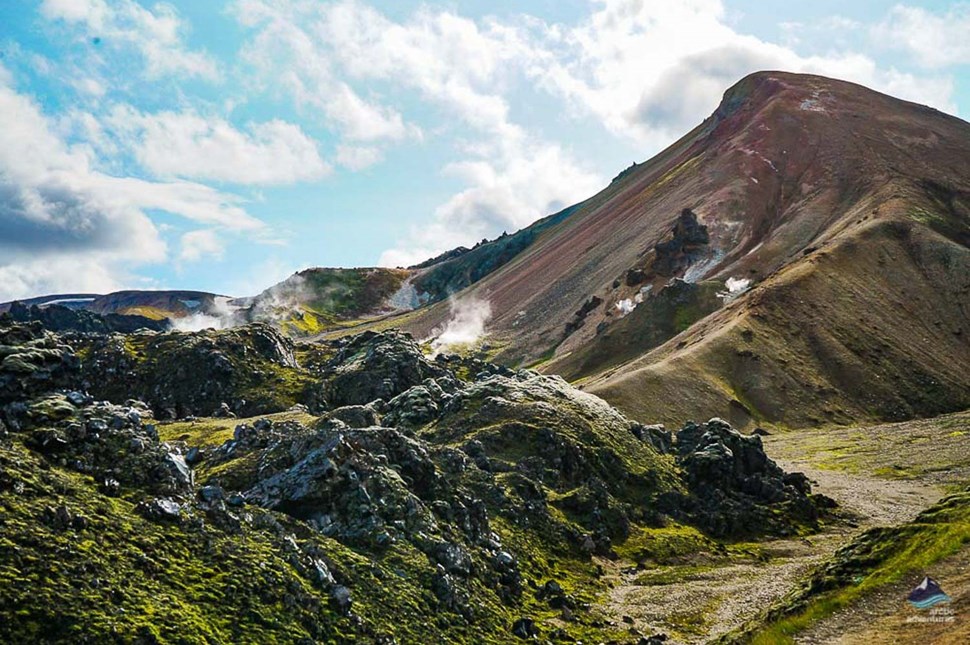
(221, 146)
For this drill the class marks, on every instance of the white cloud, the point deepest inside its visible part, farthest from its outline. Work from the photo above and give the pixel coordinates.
(204, 243)
(58, 274)
(286, 54)
(89, 86)
(515, 181)
(358, 157)
(64, 225)
(650, 70)
(647, 71)
(187, 145)
(156, 33)
(512, 176)
(937, 40)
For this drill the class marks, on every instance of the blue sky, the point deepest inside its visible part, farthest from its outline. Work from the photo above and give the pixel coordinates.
(223, 145)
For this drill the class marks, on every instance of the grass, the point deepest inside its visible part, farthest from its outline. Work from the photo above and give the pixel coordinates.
(877, 558)
(209, 432)
(666, 545)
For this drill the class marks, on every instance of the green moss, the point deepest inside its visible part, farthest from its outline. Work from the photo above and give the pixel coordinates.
(208, 432)
(877, 558)
(666, 545)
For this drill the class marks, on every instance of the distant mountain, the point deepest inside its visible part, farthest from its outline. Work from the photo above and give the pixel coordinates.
(157, 305)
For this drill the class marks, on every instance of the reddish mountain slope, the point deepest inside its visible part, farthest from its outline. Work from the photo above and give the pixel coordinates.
(849, 212)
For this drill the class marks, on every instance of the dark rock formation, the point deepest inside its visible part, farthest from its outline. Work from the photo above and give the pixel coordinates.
(688, 241)
(579, 318)
(375, 366)
(61, 319)
(735, 486)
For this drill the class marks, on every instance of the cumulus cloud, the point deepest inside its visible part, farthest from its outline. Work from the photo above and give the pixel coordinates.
(65, 273)
(287, 52)
(648, 69)
(935, 39)
(204, 243)
(65, 225)
(457, 65)
(157, 33)
(187, 145)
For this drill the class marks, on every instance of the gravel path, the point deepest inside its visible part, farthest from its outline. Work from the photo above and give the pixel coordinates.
(710, 597)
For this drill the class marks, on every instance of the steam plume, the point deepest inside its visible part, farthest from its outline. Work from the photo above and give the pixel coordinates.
(466, 325)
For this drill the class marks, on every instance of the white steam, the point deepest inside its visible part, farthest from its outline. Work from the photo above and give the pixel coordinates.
(281, 300)
(626, 306)
(735, 287)
(466, 325)
(222, 315)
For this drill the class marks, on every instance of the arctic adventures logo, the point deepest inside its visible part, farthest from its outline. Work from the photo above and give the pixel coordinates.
(928, 595)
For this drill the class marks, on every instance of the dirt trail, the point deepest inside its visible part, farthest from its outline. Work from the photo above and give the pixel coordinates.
(873, 501)
(693, 604)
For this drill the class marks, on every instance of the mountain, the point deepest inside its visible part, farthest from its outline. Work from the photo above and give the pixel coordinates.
(180, 466)
(801, 257)
(156, 305)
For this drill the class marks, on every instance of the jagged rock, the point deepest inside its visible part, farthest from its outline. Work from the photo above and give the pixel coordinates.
(658, 436)
(333, 478)
(211, 493)
(355, 416)
(61, 519)
(687, 242)
(224, 411)
(377, 366)
(341, 599)
(634, 277)
(322, 575)
(525, 628)
(33, 361)
(160, 509)
(78, 399)
(415, 407)
(454, 558)
(542, 463)
(656, 639)
(735, 483)
(181, 473)
(197, 373)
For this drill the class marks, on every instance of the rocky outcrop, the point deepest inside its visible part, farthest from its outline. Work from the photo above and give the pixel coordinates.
(33, 361)
(686, 244)
(375, 366)
(735, 486)
(245, 370)
(579, 318)
(443, 493)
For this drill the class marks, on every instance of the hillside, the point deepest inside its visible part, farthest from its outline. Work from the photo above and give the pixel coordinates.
(373, 495)
(839, 216)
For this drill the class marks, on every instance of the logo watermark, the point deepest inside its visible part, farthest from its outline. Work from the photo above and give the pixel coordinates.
(930, 598)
